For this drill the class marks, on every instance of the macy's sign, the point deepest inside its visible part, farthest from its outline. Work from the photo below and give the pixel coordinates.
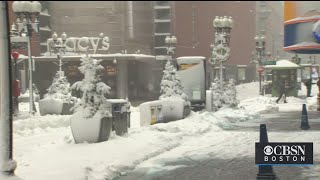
(83, 44)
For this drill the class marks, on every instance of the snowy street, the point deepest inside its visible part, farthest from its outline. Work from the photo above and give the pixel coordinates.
(203, 161)
(202, 146)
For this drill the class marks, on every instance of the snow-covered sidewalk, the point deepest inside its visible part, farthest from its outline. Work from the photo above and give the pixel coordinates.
(44, 146)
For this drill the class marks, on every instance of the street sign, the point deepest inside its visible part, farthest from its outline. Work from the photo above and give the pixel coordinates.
(260, 69)
(269, 63)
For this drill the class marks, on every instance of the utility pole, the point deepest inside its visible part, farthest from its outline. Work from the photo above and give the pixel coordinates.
(8, 165)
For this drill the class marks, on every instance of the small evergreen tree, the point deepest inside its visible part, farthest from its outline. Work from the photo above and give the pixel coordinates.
(93, 98)
(217, 98)
(60, 88)
(231, 94)
(171, 84)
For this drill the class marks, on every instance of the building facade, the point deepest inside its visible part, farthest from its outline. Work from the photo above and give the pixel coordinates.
(136, 28)
(193, 26)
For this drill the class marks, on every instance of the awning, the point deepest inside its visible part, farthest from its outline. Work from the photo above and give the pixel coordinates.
(106, 57)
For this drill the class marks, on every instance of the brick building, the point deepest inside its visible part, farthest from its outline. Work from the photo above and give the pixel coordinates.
(137, 27)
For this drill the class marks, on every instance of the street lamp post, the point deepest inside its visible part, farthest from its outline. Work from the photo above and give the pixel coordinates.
(259, 54)
(220, 48)
(59, 47)
(171, 43)
(27, 20)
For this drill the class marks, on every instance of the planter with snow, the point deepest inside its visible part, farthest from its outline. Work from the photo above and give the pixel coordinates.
(92, 120)
(163, 111)
(50, 106)
(66, 108)
(55, 106)
(173, 103)
(90, 130)
(172, 109)
(58, 92)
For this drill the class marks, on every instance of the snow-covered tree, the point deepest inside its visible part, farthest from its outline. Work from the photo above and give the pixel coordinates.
(93, 98)
(171, 86)
(60, 88)
(217, 96)
(231, 94)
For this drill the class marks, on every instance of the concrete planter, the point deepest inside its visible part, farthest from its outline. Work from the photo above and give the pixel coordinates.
(54, 106)
(163, 111)
(66, 109)
(50, 106)
(92, 130)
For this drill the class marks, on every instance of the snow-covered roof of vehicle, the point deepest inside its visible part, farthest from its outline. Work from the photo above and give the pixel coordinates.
(117, 100)
(283, 64)
(190, 59)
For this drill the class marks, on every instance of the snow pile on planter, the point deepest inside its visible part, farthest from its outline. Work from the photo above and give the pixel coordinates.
(260, 105)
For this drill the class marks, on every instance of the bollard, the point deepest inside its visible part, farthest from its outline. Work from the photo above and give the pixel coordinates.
(304, 118)
(265, 171)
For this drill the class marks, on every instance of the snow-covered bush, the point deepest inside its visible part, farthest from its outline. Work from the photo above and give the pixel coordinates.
(230, 94)
(171, 86)
(60, 89)
(217, 98)
(226, 98)
(93, 100)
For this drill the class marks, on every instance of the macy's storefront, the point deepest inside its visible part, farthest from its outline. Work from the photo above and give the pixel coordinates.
(129, 75)
(133, 76)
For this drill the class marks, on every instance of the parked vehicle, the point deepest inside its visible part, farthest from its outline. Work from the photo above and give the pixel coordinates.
(192, 72)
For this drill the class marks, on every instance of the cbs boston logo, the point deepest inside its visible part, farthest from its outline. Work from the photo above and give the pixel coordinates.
(278, 153)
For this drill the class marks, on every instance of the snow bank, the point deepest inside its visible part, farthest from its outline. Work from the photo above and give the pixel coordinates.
(4, 177)
(247, 90)
(303, 91)
(25, 97)
(312, 103)
(260, 105)
(105, 160)
(38, 124)
(192, 125)
(39, 140)
(237, 115)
